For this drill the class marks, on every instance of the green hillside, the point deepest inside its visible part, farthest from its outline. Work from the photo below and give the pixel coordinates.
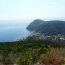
(32, 52)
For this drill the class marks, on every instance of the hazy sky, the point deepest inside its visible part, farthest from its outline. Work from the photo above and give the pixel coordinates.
(27, 9)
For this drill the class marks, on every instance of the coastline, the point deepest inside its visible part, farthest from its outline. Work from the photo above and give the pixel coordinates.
(23, 38)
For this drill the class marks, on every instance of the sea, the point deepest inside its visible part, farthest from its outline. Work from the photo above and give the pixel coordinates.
(11, 30)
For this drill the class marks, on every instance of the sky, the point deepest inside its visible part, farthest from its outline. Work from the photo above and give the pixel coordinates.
(28, 9)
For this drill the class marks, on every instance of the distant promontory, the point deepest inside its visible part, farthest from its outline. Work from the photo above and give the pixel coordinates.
(53, 27)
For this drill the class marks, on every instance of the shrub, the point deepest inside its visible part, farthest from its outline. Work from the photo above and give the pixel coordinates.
(53, 56)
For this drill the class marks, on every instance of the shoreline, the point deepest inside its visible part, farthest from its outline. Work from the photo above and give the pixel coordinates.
(23, 38)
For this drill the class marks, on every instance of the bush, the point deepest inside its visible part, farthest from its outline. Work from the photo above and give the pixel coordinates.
(8, 61)
(53, 56)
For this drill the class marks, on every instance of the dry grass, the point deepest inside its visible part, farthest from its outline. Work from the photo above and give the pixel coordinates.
(53, 57)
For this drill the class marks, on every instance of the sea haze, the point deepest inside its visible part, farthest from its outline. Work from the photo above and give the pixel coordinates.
(12, 30)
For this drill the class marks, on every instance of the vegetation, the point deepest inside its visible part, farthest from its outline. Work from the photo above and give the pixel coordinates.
(32, 52)
(54, 27)
(35, 24)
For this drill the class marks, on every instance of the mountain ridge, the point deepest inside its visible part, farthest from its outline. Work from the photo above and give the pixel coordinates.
(52, 27)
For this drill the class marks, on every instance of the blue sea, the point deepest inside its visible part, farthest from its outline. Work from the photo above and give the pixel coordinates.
(13, 30)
